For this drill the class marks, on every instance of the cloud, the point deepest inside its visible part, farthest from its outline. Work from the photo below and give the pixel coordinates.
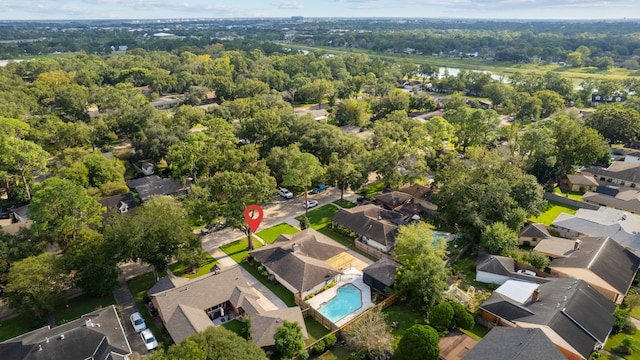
(288, 5)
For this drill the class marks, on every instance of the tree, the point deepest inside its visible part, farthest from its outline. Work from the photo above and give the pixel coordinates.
(617, 124)
(417, 239)
(305, 168)
(154, 234)
(344, 173)
(63, 217)
(370, 335)
(498, 237)
(215, 343)
(498, 93)
(461, 317)
(317, 90)
(577, 145)
(423, 280)
(288, 338)
(21, 157)
(36, 285)
(103, 170)
(94, 262)
(631, 300)
(231, 193)
(551, 102)
(441, 317)
(418, 339)
(353, 112)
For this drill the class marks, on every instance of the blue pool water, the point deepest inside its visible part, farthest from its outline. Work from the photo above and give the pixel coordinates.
(348, 300)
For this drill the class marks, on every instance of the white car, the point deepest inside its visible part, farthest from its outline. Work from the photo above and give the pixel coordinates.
(311, 204)
(526, 272)
(148, 339)
(137, 321)
(285, 193)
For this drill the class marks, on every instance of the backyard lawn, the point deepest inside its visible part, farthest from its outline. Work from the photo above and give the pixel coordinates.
(570, 194)
(271, 234)
(179, 269)
(314, 329)
(552, 211)
(405, 315)
(139, 286)
(68, 311)
(236, 326)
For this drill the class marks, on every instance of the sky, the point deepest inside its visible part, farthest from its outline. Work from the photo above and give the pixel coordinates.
(182, 9)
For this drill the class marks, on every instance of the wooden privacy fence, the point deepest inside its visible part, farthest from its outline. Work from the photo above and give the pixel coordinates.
(371, 251)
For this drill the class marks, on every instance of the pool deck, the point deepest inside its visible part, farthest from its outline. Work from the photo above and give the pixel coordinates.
(351, 276)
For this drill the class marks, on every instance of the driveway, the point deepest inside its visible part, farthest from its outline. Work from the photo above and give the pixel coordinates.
(127, 305)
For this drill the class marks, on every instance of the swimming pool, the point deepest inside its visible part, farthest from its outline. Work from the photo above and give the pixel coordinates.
(348, 299)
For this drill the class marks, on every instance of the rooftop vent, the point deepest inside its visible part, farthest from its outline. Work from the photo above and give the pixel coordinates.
(61, 337)
(88, 322)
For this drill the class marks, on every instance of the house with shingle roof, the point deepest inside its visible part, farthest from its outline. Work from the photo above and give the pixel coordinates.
(615, 197)
(153, 185)
(507, 343)
(619, 225)
(606, 265)
(301, 261)
(620, 172)
(533, 232)
(215, 298)
(579, 182)
(575, 317)
(495, 269)
(96, 335)
(375, 226)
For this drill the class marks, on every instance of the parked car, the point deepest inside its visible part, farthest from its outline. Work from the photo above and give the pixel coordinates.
(311, 204)
(526, 272)
(148, 339)
(137, 321)
(320, 188)
(285, 193)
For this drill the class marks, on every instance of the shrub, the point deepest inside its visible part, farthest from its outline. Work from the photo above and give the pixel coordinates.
(355, 356)
(461, 317)
(319, 347)
(441, 316)
(633, 185)
(330, 340)
(304, 222)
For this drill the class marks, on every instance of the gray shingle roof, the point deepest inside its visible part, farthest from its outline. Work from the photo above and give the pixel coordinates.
(572, 308)
(393, 199)
(627, 200)
(80, 341)
(183, 307)
(153, 185)
(507, 343)
(299, 259)
(383, 270)
(371, 221)
(628, 171)
(582, 180)
(605, 258)
(535, 230)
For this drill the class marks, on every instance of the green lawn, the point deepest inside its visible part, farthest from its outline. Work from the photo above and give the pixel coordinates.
(616, 340)
(314, 329)
(552, 211)
(271, 234)
(282, 292)
(139, 286)
(337, 352)
(238, 250)
(570, 194)
(465, 268)
(372, 190)
(178, 268)
(405, 315)
(477, 332)
(68, 311)
(345, 203)
(236, 326)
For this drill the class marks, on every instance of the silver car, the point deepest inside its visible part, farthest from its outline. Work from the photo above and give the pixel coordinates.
(138, 322)
(148, 339)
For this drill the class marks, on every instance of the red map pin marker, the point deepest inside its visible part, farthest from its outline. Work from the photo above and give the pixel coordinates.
(253, 215)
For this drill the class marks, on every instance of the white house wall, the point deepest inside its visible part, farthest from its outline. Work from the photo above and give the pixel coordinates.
(490, 278)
